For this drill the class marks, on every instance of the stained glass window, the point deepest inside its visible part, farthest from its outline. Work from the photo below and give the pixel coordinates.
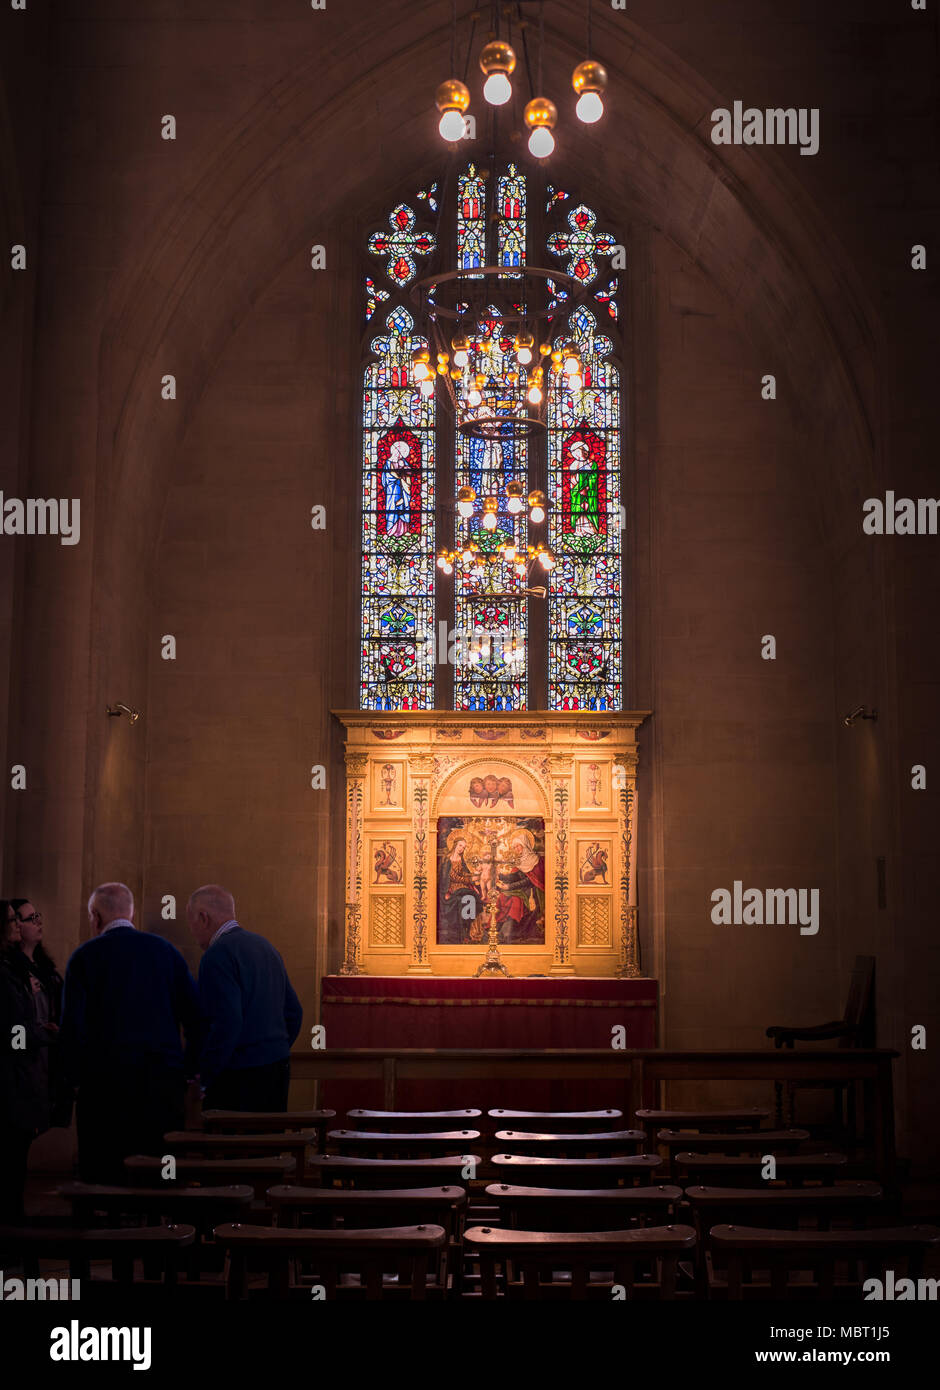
(471, 220)
(490, 603)
(577, 461)
(584, 615)
(401, 245)
(397, 656)
(511, 225)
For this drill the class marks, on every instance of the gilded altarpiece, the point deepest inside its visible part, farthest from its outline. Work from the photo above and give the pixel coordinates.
(451, 818)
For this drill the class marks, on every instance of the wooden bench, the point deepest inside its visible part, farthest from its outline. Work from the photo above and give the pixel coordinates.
(432, 1144)
(293, 1142)
(557, 1121)
(334, 1169)
(576, 1172)
(156, 1246)
(755, 1141)
(743, 1252)
(559, 1145)
(267, 1121)
(257, 1173)
(585, 1209)
(332, 1208)
(532, 1261)
(734, 1170)
(369, 1263)
(410, 1121)
(701, 1121)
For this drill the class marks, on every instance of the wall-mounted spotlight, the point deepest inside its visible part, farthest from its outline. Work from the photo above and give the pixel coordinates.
(861, 713)
(118, 709)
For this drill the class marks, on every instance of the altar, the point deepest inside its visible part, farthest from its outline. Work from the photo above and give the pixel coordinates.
(396, 1012)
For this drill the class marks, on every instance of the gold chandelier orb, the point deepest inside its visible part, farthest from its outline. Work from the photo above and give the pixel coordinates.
(497, 56)
(452, 95)
(540, 112)
(589, 76)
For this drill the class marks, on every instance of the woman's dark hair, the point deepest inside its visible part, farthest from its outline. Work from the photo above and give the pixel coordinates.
(5, 946)
(41, 956)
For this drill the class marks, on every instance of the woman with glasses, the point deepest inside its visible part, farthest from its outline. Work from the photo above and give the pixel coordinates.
(24, 1094)
(45, 983)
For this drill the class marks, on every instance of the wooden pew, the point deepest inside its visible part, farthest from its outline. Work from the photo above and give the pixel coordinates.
(158, 1247)
(744, 1252)
(556, 1121)
(293, 1142)
(755, 1141)
(337, 1257)
(559, 1145)
(335, 1169)
(371, 1144)
(532, 1260)
(584, 1209)
(701, 1121)
(267, 1121)
(576, 1172)
(330, 1208)
(410, 1121)
(734, 1170)
(258, 1173)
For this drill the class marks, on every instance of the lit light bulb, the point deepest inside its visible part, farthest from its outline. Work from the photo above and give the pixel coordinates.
(509, 554)
(537, 514)
(451, 124)
(590, 108)
(541, 142)
(475, 397)
(497, 89)
(461, 357)
(427, 387)
(489, 521)
(571, 365)
(466, 556)
(524, 356)
(535, 395)
(514, 505)
(576, 382)
(546, 561)
(447, 567)
(422, 371)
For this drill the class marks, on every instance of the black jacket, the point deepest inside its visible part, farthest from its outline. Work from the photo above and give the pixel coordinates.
(24, 1091)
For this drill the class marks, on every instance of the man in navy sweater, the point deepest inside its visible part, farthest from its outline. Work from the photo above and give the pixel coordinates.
(127, 996)
(251, 1013)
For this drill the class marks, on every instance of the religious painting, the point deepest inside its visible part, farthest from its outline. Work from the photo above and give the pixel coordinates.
(593, 786)
(388, 861)
(594, 861)
(487, 863)
(387, 785)
(489, 790)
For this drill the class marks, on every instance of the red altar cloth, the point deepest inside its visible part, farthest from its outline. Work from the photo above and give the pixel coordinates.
(449, 1012)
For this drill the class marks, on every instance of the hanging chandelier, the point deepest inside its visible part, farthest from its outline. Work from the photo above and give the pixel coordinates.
(497, 62)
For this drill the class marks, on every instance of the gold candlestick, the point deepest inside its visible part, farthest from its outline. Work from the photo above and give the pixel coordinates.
(492, 965)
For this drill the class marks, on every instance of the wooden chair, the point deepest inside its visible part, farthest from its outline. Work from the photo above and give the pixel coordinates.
(267, 1121)
(855, 1203)
(744, 1252)
(556, 1121)
(576, 1172)
(294, 1143)
(370, 1264)
(203, 1208)
(735, 1170)
(323, 1208)
(370, 1144)
(578, 1265)
(699, 1121)
(856, 1028)
(328, 1170)
(585, 1209)
(410, 1121)
(158, 1247)
(258, 1173)
(596, 1145)
(754, 1141)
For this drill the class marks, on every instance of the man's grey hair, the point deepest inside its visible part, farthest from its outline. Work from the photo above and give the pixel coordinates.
(216, 901)
(112, 900)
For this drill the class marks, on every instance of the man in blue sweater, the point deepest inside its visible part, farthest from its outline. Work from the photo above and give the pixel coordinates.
(127, 996)
(251, 1013)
